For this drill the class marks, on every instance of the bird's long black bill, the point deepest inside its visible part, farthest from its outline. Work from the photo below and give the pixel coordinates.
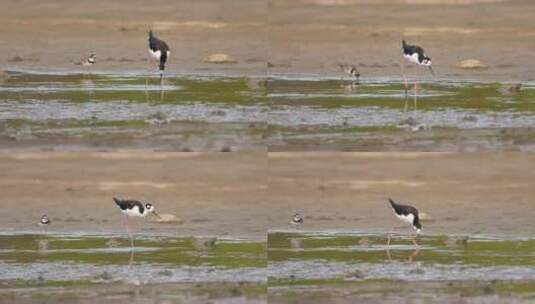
(432, 72)
(156, 214)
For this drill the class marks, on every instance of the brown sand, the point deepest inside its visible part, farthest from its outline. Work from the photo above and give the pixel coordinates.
(214, 194)
(462, 193)
(294, 36)
(242, 194)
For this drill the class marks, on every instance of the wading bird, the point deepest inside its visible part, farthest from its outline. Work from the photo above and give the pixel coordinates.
(159, 50)
(416, 55)
(134, 208)
(408, 215)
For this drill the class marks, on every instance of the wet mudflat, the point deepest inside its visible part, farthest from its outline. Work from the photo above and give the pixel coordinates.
(375, 115)
(70, 111)
(306, 267)
(65, 111)
(81, 268)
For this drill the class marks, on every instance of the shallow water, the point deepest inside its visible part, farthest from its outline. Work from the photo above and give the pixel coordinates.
(182, 113)
(58, 264)
(69, 111)
(326, 262)
(375, 115)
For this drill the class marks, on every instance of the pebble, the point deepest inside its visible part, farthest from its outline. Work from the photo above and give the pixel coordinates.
(472, 64)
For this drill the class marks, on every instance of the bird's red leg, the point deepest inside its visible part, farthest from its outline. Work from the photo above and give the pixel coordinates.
(129, 232)
(415, 95)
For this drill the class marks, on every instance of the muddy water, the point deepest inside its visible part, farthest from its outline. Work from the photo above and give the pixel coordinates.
(68, 111)
(302, 265)
(74, 111)
(375, 115)
(57, 263)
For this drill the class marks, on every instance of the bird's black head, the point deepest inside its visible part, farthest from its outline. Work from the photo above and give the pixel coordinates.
(149, 207)
(418, 227)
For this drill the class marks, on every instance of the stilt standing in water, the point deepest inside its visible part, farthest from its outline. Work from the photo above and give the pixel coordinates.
(134, 208)
(416, 55)
(409, 215)
(159, 50)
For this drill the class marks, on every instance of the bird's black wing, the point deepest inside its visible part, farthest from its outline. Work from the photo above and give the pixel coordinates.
(411, 49)
(129, 204)
(403, 209)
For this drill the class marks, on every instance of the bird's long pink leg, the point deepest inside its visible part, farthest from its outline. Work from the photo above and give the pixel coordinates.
(413, 237)
(129, 232)
(406, 84)
(415, 95)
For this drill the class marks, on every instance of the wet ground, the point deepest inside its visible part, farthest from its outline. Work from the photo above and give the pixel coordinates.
(344, 266)
(99, 111)
(80, 267)
(375, 115)
(66, 111)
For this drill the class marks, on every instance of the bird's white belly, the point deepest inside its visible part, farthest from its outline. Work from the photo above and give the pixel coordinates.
(133, 212)
(412, 58)
(409, 218)
(156, 55)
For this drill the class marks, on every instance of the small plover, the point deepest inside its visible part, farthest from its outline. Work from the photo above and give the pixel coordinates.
(159, 50)
(44, 220)
(408, 215)
(351, 70)
(134, 208)
(414, 54)
(89, 60)
(296, 220)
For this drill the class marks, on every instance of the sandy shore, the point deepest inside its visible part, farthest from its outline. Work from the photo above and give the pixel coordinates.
(244, 194)
(213, 194)
(470, 193)
(303, 36)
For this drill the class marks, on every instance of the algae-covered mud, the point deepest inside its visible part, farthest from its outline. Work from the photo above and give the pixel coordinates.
(82, 268)
(98, 111)
(446, 115)
(309, 267)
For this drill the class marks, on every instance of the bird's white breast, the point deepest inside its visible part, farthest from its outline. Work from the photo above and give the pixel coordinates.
(133, 212)
(156, 55)
(412, 58)
(409, 218)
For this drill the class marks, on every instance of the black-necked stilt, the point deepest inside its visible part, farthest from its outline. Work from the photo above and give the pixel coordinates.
(416, 55)
(159, 51)
(134, 208)
(296, 220)
(350, 70)
(409, 215)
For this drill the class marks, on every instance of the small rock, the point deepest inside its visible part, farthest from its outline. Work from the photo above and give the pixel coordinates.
(511, 89)
(424, 217)
(420, 127)
(472, 64)
(459, 241)
(364, 241)
(16, 59)
(470, 118)
(219, 58)
(296, 243)
(357, 274)
(409, 121)
(205, 242)
(167, 218)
